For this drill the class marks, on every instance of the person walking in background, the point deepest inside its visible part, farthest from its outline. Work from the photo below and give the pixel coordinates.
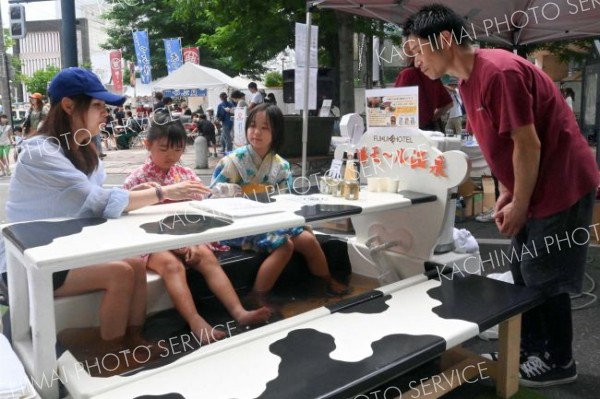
(5, 144)
(225, 116)
(17, 141)
(207, 129)
(434, 99)
(239, 99)
(35, 116)
(569, 96)
(456, 113)
(158, 101)
(255, 96)
(547, 176)
(271, 99)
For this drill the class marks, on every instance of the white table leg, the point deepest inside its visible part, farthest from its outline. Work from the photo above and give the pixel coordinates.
(43, 332)
(18, 296)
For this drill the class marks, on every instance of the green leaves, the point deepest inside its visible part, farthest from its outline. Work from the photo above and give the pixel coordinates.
(38, 83)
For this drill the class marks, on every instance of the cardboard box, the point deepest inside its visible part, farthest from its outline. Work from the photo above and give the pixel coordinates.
(489, 193)
(468, 207)
(466, 189)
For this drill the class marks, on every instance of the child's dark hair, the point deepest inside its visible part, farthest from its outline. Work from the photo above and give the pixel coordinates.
(275, 121)
(173, 131)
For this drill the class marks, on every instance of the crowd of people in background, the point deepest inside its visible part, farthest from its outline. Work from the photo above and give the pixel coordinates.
(124, 123)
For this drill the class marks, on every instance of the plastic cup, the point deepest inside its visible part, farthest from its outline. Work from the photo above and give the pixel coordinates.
(374, 184)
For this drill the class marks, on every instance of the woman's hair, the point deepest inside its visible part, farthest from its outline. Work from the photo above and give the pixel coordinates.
(37, 103)
(275, 121)
(58, 125)
(172, 130)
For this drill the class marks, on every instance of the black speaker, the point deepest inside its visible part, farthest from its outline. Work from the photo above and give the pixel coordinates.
(325, 86)
(288, 85)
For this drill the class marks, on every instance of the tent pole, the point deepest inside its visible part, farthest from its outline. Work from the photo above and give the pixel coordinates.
(305, 89)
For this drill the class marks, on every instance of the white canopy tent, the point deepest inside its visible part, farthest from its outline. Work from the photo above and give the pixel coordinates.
(140, 89)
(192, 77)
(242, 83)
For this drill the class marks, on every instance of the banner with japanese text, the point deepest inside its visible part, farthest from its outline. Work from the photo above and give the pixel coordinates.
(239, 127)
(191, 54)
(173, 54)
(116, 71)
(185, 93)
(302, 46)
(142, 53)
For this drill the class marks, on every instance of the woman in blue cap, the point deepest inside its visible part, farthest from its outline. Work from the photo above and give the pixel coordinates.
(60, 165)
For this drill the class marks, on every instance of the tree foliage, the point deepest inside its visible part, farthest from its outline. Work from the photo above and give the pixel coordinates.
(248, 33)
(273, 79)
(38, 83)
(236, 36)
(573, 50)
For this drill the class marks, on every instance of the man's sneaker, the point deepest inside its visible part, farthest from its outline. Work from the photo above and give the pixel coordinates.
(486, 217)
(538, 373)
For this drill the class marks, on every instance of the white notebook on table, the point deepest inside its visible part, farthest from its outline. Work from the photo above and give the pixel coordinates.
(236, 207)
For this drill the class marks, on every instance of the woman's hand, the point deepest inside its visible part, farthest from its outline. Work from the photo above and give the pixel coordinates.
(186, 190)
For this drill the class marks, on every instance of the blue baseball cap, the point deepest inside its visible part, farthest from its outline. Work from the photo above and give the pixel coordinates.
(74, 81)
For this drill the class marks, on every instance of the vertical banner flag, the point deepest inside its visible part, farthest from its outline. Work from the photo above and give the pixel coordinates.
(191, 54)
(116, 71)
(239, 124)
(142, 53)
(301, 47)
(173, 54)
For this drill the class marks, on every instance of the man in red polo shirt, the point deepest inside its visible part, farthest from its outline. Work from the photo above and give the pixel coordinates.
(547, 174)
(434, 99)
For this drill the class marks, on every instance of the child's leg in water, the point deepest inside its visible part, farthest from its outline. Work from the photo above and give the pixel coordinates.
(306, 244)
(201, 258)
(270, 270)
(171, 269)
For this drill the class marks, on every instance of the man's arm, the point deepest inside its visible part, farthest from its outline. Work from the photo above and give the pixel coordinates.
(526, 162)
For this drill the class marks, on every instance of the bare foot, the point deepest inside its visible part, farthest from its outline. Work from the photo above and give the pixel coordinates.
(258, 299)
(337, 288)
(205, 333)
(250, 317)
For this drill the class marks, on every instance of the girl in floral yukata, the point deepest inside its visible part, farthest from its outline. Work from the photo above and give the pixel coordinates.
(256, 167)
(166, 143)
